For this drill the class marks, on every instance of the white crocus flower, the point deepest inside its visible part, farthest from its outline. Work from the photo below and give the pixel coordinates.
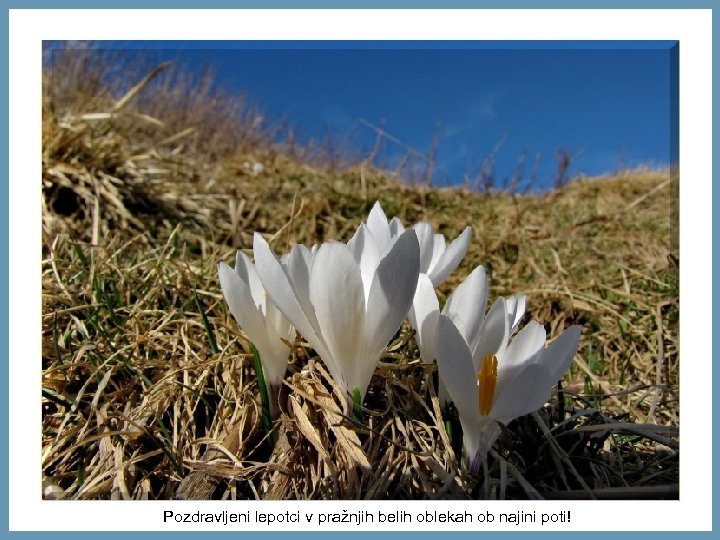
(437, 260)
(423, 317)
(494, 380)
(259, 318)
(383, 231)
(346, 300)
(465, 307)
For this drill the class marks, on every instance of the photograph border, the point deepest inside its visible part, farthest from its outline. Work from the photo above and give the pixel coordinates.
(19, 313)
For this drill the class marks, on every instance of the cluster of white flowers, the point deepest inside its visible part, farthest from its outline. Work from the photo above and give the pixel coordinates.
(348, 300)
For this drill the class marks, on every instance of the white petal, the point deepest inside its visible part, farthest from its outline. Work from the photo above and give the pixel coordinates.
(424, 317)
(391, 296)
(493, 333)
(560, 354)
(438, 250)
(537, 374)
(518, 373)
(450, 258)
(516, 309)
(273, 351)
(241, 303)
(274, 355)
(299, 262)
(517, 400)
(246, 270)
(378, 224)
(277, 284)
(423, 229)
(466, 305)
(479, 438)
(396, 227)
(457, 371)
(522, 349)
(442, 391)
(277, 324)
(336, 293)
(552, 365)
(365, 251)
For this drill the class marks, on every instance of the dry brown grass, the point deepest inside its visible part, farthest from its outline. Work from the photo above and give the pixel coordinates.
(149, 388)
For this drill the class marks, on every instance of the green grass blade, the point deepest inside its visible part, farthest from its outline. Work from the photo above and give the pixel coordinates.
(206, 324)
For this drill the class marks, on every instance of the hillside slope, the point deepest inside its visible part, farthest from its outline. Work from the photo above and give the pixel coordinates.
(148, 381)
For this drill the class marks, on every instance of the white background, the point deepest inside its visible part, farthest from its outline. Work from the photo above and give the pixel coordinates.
(29, 27)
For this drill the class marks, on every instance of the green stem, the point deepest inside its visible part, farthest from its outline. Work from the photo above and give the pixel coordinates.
(449, 430)
(262, 387)
(453, 428)
(357, 406)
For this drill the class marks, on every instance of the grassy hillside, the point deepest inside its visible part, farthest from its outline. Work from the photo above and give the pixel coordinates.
(148, 386)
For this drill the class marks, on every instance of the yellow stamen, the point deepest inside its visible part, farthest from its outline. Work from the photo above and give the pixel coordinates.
(487, 377)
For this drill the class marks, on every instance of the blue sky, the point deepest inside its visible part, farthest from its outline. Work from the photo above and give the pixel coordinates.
(608, 105)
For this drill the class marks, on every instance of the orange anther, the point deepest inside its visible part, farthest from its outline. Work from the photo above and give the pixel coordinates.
(487, 377)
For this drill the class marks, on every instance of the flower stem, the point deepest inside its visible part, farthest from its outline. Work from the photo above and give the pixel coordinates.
(449, 430)
(453, 428)
(357, 405)
(262, 387)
